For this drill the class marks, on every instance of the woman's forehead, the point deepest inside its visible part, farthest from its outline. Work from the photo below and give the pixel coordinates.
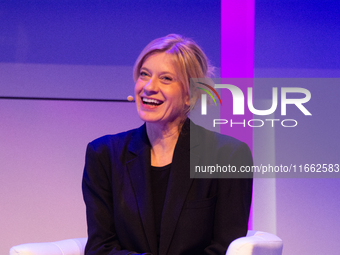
(160, 61)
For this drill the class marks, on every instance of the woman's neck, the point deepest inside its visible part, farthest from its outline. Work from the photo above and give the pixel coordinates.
(163, 139)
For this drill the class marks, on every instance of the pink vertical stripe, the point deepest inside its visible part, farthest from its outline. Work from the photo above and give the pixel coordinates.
(237, 61)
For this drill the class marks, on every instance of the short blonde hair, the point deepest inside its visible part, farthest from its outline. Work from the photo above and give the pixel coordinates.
(188, 58)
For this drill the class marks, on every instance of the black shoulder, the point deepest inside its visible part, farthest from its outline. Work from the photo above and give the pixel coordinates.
(215, 149)
(219, 140)
(112, 141)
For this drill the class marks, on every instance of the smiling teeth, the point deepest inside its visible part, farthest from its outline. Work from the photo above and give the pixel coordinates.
(151, 101)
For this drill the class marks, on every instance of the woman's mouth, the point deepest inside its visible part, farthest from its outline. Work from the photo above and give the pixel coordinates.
(151, 101)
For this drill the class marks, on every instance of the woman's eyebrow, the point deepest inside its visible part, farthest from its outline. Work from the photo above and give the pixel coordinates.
(144, 68)
(161, 73)
(167, 72)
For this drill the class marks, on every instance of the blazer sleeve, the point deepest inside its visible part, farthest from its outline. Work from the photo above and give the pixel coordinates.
(233, 204)
(98, 198)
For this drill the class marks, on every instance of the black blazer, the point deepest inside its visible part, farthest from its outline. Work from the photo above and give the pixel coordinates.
(200, 216)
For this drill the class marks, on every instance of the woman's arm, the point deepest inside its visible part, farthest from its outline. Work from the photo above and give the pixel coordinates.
(97, 193)
(232, 205)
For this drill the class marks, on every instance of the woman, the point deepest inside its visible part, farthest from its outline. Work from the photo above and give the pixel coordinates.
(136, 185)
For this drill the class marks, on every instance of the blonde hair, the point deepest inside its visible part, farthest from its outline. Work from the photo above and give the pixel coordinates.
(188, 59)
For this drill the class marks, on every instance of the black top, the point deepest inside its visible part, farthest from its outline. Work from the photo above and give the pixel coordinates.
(159, 184)
(200, 215)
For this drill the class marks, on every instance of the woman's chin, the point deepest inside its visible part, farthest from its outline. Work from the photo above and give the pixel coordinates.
(149, 117)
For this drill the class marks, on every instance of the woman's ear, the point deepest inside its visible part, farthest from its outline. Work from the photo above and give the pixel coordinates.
(187, 100)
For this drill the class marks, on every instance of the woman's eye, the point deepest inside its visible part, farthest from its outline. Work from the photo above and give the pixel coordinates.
(143, 73)
(167, 78)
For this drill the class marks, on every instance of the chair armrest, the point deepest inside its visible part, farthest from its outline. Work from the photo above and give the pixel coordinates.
(256, 243)
(65, 247)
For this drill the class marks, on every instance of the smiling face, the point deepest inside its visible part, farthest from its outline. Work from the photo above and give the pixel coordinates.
(159, 94)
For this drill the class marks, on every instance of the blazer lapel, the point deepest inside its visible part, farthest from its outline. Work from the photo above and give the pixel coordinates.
(138, 165)
(178, 186)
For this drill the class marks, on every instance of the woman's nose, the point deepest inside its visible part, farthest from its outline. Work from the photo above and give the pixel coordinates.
(151, 86)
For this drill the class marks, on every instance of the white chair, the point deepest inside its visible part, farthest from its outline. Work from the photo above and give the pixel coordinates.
(255, 243)
(65, 247)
